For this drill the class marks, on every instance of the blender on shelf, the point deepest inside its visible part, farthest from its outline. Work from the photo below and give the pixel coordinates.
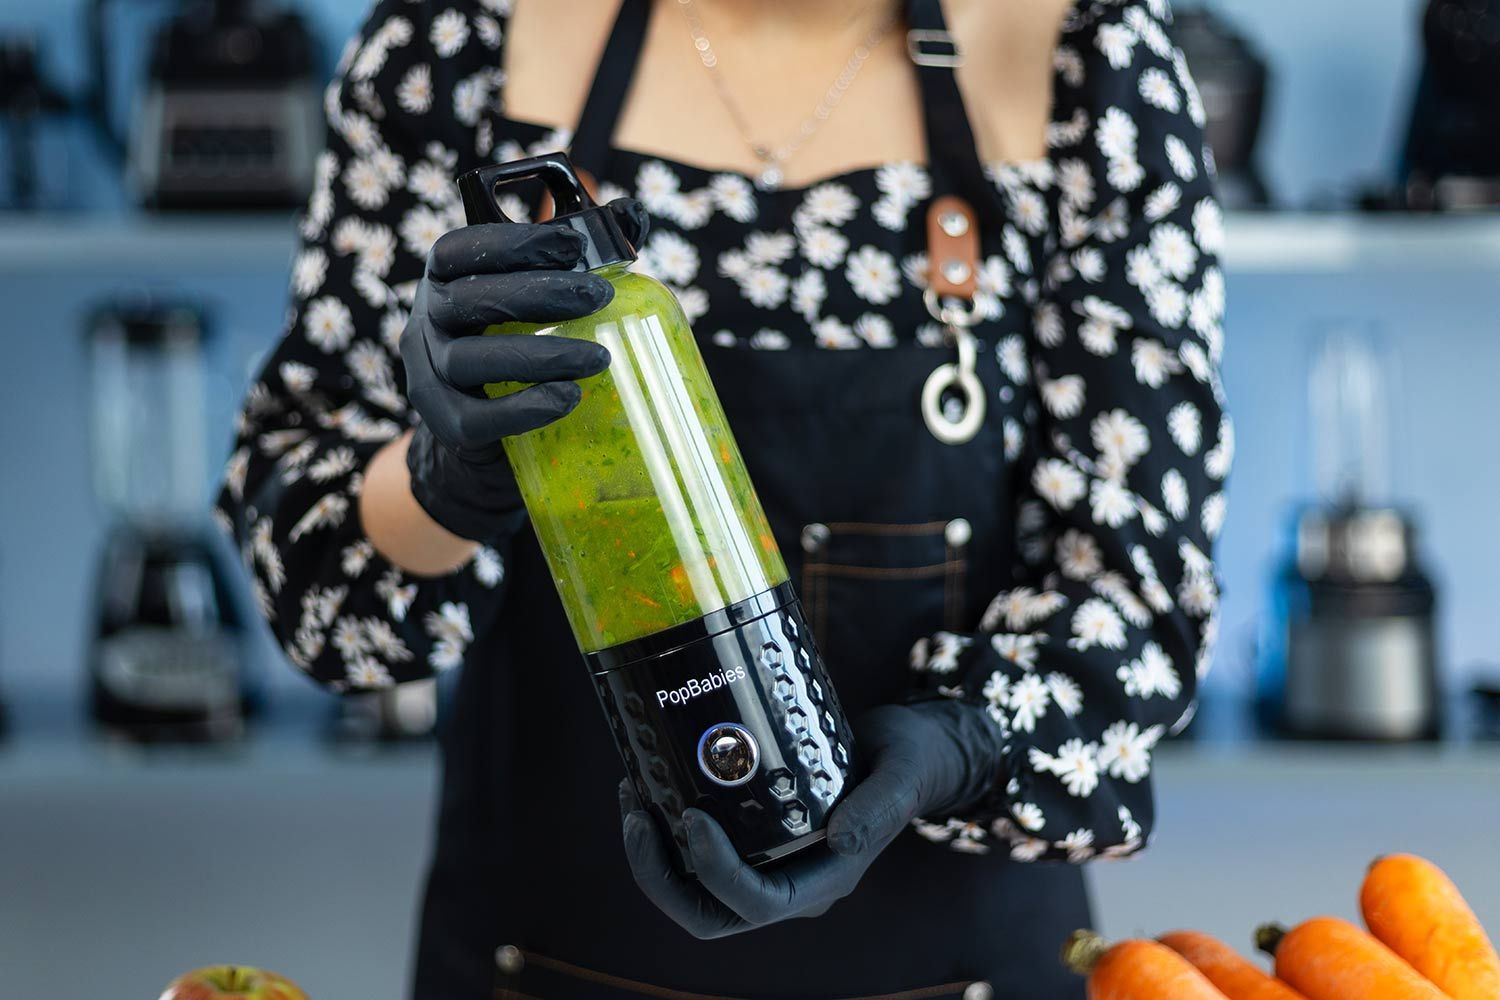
(166, 659)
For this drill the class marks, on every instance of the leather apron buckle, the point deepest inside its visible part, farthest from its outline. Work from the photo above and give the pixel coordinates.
(953, 403)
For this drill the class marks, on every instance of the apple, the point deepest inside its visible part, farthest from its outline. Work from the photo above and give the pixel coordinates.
(232, 982)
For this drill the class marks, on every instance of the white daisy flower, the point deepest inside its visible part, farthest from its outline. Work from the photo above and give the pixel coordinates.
(694, 302)
(354, 558)
(673, 258)
(432, 183)
(1058, 483)
(1097, 623)
(1112, 504)
(1018, 649)
(822, 246)
(366, 184)
(449, 33)
(1011, 353)
(734, 264)
(1076, 763)
(766, 339)
(1168, 303)
(724, 338)
(770, 248)
(1221, 456)
(1158, 90)
(1117, 433)
(764, 286)
(1079, 844)
(488, 30)
(1028, 816)
(872, 274)
(903, 183)
(1078, 555)
(889, 214)
(1028, 702)
(471, 96)
(1069, 64)
(1173, 250)
(693, 209)
(1063, 397)
(1016, 249)
(1047, 324)
(1125, 173)
(1116, 135)
(1076, 183)
(357, 129)
(328, 324)
(1117, 42)
(1181, 158)
(308, 271)
(875, 330)
(328, 512)
(1066, 694)
(489, 569)
(450, 622)
(830, 203)
(420, 229)
(833, 333)
(1174, 493)
(366, 672)
(1027, 849)
(657, 187)
(1153, 362)
(414, 92)
(1014, 438)
(1208, 225)
(1197, 594)
(1126, 750)
(1163, 201)
(1029, 210)
(808, 292)
(337, 462)
(734, 196)
(1212, 514)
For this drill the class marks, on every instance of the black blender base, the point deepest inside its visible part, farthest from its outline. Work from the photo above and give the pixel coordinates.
(733, 714)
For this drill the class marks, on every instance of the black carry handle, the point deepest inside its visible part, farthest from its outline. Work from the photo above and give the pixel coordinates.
(604, 242)
(480, 189)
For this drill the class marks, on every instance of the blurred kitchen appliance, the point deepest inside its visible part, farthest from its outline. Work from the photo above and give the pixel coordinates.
(166, 661)
(229, 117)
(1452, 155)
(1359, 639)
(25, 97)
(1232, 81)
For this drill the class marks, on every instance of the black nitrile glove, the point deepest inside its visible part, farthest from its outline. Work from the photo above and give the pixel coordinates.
(923, 759)
(478, 276)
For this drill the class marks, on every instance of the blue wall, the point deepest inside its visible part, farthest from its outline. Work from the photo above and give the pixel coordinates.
(1337, 115)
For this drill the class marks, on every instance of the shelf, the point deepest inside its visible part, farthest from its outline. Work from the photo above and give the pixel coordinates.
(1256, 243)
(49, 243)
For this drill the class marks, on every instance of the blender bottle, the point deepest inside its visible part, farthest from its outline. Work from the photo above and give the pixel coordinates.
(666, 566)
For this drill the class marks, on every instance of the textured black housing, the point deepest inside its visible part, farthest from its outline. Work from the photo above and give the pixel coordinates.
(772, 685)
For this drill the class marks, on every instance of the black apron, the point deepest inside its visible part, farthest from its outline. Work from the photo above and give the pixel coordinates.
(889, 535)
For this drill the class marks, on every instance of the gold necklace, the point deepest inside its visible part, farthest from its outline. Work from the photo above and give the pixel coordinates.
(773, 158)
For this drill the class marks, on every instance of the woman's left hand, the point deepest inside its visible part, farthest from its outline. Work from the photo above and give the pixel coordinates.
(922, 758)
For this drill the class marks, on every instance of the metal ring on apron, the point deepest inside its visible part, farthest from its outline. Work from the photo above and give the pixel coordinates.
(949, 377)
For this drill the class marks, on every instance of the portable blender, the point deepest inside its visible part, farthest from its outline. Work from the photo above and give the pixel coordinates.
(665, 563)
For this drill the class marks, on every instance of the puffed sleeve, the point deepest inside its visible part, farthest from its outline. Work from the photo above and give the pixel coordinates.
(1093, 655)
(406, 111)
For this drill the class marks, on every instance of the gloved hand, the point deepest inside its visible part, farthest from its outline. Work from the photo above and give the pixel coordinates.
(923, 759)
(477, 276)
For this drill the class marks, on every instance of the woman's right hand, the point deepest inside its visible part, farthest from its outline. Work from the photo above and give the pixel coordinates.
(478, 276)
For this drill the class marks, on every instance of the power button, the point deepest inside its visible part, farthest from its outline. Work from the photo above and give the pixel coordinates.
(728, 754)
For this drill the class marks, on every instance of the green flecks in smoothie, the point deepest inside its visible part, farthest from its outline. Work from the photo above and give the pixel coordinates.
(639, 498)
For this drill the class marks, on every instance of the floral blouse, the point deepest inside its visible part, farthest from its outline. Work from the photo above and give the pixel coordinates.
(1104, 306)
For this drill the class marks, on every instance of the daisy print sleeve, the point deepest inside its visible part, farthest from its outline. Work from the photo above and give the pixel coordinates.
(404, 115)
(1092, 656)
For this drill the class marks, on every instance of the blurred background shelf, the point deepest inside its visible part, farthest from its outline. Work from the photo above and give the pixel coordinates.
(1260, 243)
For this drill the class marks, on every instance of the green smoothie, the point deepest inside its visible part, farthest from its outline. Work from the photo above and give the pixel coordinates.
(639, 497)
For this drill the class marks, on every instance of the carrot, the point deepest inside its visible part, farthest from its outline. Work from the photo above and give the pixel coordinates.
(1235, 976)
(1135, 970)
(1330, 959)
(1417, 912)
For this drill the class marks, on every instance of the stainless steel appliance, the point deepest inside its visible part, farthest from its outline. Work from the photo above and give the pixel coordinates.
(1359, 637)
(229, 117)
(166, 660)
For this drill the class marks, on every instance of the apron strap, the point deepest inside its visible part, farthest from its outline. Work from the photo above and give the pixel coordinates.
(952, 154)
(593, 137)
